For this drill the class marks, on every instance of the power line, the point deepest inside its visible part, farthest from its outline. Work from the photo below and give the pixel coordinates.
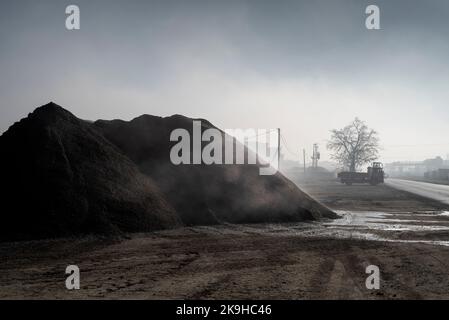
(287, 148)
(257, 135)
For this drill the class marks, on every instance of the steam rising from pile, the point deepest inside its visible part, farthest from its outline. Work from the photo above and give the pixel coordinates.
(64, 176)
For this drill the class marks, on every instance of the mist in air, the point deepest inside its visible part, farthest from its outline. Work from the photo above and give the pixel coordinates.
(305, 67)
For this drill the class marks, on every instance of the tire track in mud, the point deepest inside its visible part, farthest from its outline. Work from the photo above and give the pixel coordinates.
(211, 287)
(391, 286)
(338, 277)
(356, 263)
(343, 284)
(319, 281)
(344, 276)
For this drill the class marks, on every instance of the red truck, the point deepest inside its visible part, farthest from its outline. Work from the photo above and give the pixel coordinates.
(373, 176)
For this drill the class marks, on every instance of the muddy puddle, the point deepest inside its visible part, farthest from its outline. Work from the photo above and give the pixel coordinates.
(428, 227)
(424, 227)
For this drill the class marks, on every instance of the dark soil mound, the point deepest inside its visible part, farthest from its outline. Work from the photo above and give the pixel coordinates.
(204, 194)
(61, 177)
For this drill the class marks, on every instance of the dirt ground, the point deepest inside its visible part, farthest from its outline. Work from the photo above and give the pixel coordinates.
(407, 237)
(366, 197)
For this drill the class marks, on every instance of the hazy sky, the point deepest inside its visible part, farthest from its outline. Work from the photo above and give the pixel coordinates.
(303, 66)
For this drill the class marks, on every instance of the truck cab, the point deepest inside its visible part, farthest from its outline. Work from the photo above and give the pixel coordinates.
(376, 173)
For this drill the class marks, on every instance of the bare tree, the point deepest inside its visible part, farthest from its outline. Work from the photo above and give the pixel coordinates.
(354, 145)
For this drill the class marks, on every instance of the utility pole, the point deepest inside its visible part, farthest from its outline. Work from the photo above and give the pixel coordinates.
(304, 159)
(315, 156)
(279, 149)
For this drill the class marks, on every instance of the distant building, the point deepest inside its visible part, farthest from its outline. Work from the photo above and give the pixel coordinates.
(439, 174)
(419, 169)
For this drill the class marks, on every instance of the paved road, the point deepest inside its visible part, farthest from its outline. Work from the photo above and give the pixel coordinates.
(430, 190)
